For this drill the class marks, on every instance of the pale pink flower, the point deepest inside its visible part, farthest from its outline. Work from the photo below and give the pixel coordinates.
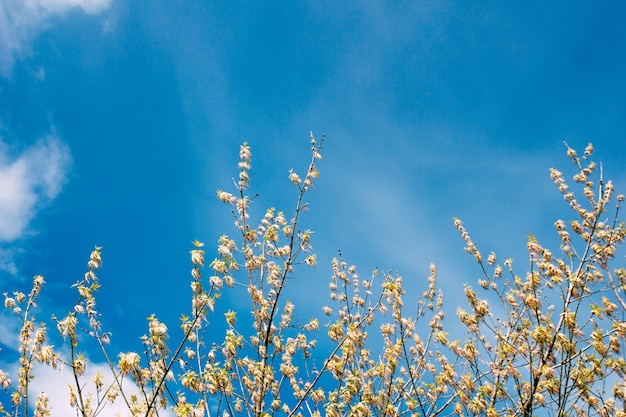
(225, 197)
(294, 178)
(197, 257)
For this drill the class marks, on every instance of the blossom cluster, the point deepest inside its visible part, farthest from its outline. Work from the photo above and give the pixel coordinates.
(548, 341)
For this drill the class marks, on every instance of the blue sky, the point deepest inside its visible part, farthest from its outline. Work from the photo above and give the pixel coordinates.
(119, 120)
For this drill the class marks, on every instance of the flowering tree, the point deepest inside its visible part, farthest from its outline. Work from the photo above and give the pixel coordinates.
(547, 342)
(559, 345)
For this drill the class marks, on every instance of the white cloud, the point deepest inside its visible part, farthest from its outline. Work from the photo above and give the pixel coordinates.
(60, 6)
(27, 183)
(22, 20)
(56, 382)
(6, 261)
(9, 331)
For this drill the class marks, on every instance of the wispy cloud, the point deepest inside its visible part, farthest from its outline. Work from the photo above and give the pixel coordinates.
(22, 20)
(55, 384)
(27, 183)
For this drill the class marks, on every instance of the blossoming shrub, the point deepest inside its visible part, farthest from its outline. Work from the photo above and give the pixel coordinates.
(547, 342)
(558, 347)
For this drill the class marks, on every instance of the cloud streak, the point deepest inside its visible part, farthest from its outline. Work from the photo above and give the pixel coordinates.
(22, 20)
(27, 183)
(55, 384)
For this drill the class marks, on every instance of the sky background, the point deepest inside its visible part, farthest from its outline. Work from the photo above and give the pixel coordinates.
(119, 120)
